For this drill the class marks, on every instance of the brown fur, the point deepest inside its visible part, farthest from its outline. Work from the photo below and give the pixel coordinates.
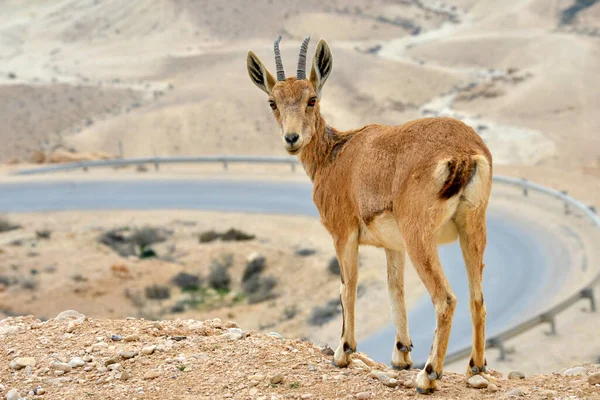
(405, 188)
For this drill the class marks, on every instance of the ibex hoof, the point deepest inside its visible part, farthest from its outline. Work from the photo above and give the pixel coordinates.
(424, 391)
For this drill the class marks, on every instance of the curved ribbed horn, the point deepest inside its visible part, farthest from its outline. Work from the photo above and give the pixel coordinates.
(301, 73)
(278, 63)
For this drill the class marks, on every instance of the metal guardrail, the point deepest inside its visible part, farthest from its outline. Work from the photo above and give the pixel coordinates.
(496, 341)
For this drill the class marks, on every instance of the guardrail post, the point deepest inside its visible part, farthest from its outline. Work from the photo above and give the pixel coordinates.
(293, 164)
(550, 319)
(156, 164)
(592, 209)
(225, 166)
(566, 204)
(588, 293)
(85, 168)
(525, 192)
(498, 343)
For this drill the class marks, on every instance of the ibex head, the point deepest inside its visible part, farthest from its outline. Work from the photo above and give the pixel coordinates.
(295, 101)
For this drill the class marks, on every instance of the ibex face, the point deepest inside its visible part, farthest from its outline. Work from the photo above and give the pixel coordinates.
(294, 101)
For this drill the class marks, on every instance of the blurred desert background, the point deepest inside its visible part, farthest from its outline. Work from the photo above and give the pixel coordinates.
(91, 79)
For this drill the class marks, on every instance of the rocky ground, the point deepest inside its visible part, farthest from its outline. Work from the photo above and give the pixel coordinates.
(76, 357)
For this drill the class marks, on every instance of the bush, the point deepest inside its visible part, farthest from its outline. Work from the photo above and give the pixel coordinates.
(236, 235)
(320, 315)
(147, 236)
(208, 236)
(43, 234)
(289, 312)
(334, 266)
(6, 225)
(256, 264)
(187, 281)
(259, 290)
(219, 277)
(157, 292)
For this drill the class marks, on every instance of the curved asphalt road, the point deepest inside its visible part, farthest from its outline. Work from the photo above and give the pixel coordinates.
(520, 276)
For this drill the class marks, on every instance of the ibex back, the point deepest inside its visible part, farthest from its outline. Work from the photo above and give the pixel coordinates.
(405, 188)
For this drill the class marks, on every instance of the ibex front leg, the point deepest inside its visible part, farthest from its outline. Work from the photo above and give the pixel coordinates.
(347, 253)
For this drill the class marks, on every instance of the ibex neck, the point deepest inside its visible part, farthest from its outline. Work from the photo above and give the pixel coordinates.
(318, 152)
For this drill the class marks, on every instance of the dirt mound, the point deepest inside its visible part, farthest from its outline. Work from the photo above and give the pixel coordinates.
(74, 357)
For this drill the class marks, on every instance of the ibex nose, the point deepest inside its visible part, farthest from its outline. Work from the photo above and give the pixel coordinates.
(291, 138)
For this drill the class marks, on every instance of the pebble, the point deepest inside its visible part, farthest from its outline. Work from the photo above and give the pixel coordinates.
(478, 382)
(548, 394)
(69, 314)
(128, 354)
(515, 393)
(148, 350)
(258, 378)
(71, 327)
(492, 388)
(115, 367)
(39, 390)
(306, 396)
(234, 334)
(76, 362)
(22, 362)
(253, 391)
(196, 325)
(594, 379)
(99, 346)
(276, 379)
(363, 395)
(409, 383)
(385, 379)
(87, 358)
(151, 374)
(112, 360)
(13, 394)
(124, 375)
(61, 367)
(275, 334)
(516, 375)
(576, 371)
(132, 338)
(340, 377)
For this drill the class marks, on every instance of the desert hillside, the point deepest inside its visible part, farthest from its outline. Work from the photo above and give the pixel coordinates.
(168, 77)
(74, 357)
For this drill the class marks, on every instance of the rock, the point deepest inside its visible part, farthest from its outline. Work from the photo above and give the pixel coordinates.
(152, 374)
(306, 396)
(516, 375)
(276, 379)
(253, 391)
(9, 330)
(575, 371)
(517, 392)
(76, 362)
(275, 334)
(13, 394)
(340, 377)
(196, 325)
(363, 395)
(112, 360)
(594, 379)
(258, 378)
(126, 355)
(115, 367)
(71, 327)
(234, 334)
(492, 388)
(39, 391)
(22, 362)
(99, 346)
(124, 375)
(548, 394)
(148, 350)
(70, 315)
(384, 378)
(478, 382)
(409, 383)
(61, 367)
(132, 338)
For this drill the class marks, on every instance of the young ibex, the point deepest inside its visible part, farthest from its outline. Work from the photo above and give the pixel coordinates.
(405, 188)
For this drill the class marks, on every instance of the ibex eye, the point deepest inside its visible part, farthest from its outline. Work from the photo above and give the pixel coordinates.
(312, 102)
(273, 105)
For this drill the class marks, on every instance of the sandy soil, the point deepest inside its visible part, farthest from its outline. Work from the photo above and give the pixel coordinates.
(99, 282)
(188, 359)
(168, 78)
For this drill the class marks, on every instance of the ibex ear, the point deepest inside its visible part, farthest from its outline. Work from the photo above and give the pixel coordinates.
(321, 66)
(258, 73)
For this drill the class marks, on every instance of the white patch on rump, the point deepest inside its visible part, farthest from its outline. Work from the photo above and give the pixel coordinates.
(382, 231)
